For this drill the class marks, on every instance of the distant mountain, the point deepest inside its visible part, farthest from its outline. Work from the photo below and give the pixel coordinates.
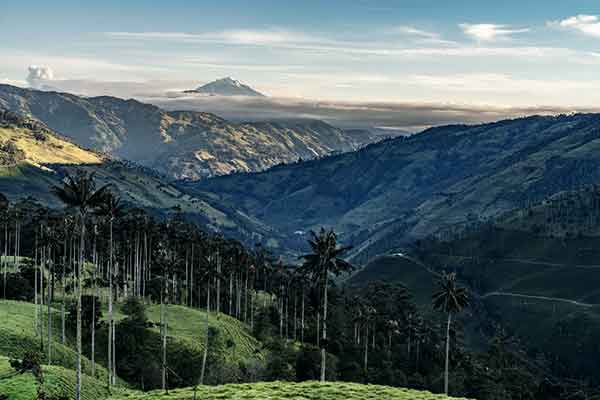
(180, 144)
(402, 189)
(226, 87)
(33, 159)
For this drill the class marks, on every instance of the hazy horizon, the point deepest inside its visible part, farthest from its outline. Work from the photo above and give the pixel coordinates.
(462, 62)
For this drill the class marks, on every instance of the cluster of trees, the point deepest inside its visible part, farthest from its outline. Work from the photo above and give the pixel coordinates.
(99, 251)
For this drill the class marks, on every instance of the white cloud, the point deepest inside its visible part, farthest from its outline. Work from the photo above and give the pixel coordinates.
(267, 37)
(490, 32)
(586, 24)
(412, 31)
(327, 47)
(37, 74)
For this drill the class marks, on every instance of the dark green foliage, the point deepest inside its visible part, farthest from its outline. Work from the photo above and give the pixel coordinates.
(88, 317)
(18, 287)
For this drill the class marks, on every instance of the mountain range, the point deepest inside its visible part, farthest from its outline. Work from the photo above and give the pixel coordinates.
(180, 144)
(33, 159)
(399, 190)
(226, 87)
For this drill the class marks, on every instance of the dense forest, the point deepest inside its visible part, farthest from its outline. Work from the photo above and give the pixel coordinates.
(99, 269)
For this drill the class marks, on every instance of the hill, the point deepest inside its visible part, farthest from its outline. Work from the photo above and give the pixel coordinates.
(17, 336)
(59, 383)
(539, 263)
(180, 144)
(300, 391)
(401, 189)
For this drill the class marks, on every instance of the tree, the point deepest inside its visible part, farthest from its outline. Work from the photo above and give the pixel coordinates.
(324, 260)
(450, 299)
(110, 209)
(80, 193)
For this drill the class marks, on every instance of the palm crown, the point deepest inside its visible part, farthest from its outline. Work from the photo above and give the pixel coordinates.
(450, 298)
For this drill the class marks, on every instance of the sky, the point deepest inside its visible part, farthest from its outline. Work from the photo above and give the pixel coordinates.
(481, 55)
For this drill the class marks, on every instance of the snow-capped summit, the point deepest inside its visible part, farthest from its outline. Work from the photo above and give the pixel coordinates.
(227, 87)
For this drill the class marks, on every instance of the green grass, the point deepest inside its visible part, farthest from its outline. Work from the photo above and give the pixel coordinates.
(59, 383)
(187, 327)
(17, 336)
(288, 390)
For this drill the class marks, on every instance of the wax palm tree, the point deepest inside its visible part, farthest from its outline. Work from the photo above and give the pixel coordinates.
(450, 299)
(111, 208)
(4, 206)
(80, 193)
(324, 259)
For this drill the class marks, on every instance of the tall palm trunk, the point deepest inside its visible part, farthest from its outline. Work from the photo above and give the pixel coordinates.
(163, 325)
(205, 354)
(302, 319)
(447, 354)
(35, 287)
(95, 290)
(324, 342)
(366, 354)
(49, 316)
(79, 272)
(110, 305)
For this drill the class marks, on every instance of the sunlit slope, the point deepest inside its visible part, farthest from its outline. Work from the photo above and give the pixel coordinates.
(33, 159)
(42, 148)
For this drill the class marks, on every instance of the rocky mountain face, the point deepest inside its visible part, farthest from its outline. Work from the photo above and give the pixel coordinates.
(226, 87)
(402, 189)
(180, 144)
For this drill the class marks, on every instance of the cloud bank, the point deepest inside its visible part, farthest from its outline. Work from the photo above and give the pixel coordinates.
(406, 116)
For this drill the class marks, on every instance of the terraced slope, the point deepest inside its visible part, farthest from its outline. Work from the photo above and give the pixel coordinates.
(288, 390)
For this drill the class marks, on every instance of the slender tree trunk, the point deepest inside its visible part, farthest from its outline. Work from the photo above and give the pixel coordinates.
(62, 305)
(231, 293)
(218, 295)
(302, 319)
(80, 271)
(110, 305)
(35, 287)
(95, 290)
(49, 316)
(205, 353)
(324, 343)
(163, 325)
(318, 328)
(366, 354)
(447, 354)
(295, 316)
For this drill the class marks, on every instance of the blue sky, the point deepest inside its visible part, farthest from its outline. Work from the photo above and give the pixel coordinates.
(502, 54)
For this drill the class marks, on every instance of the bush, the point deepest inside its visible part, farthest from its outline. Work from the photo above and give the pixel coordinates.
(18, 288)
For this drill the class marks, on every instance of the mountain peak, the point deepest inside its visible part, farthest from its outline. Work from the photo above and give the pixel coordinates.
(227, 87)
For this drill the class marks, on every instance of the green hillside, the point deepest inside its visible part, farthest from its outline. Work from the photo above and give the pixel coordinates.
(187, 327)
(17, 336)
(288, 390)
(393, 192)
(59, 383)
